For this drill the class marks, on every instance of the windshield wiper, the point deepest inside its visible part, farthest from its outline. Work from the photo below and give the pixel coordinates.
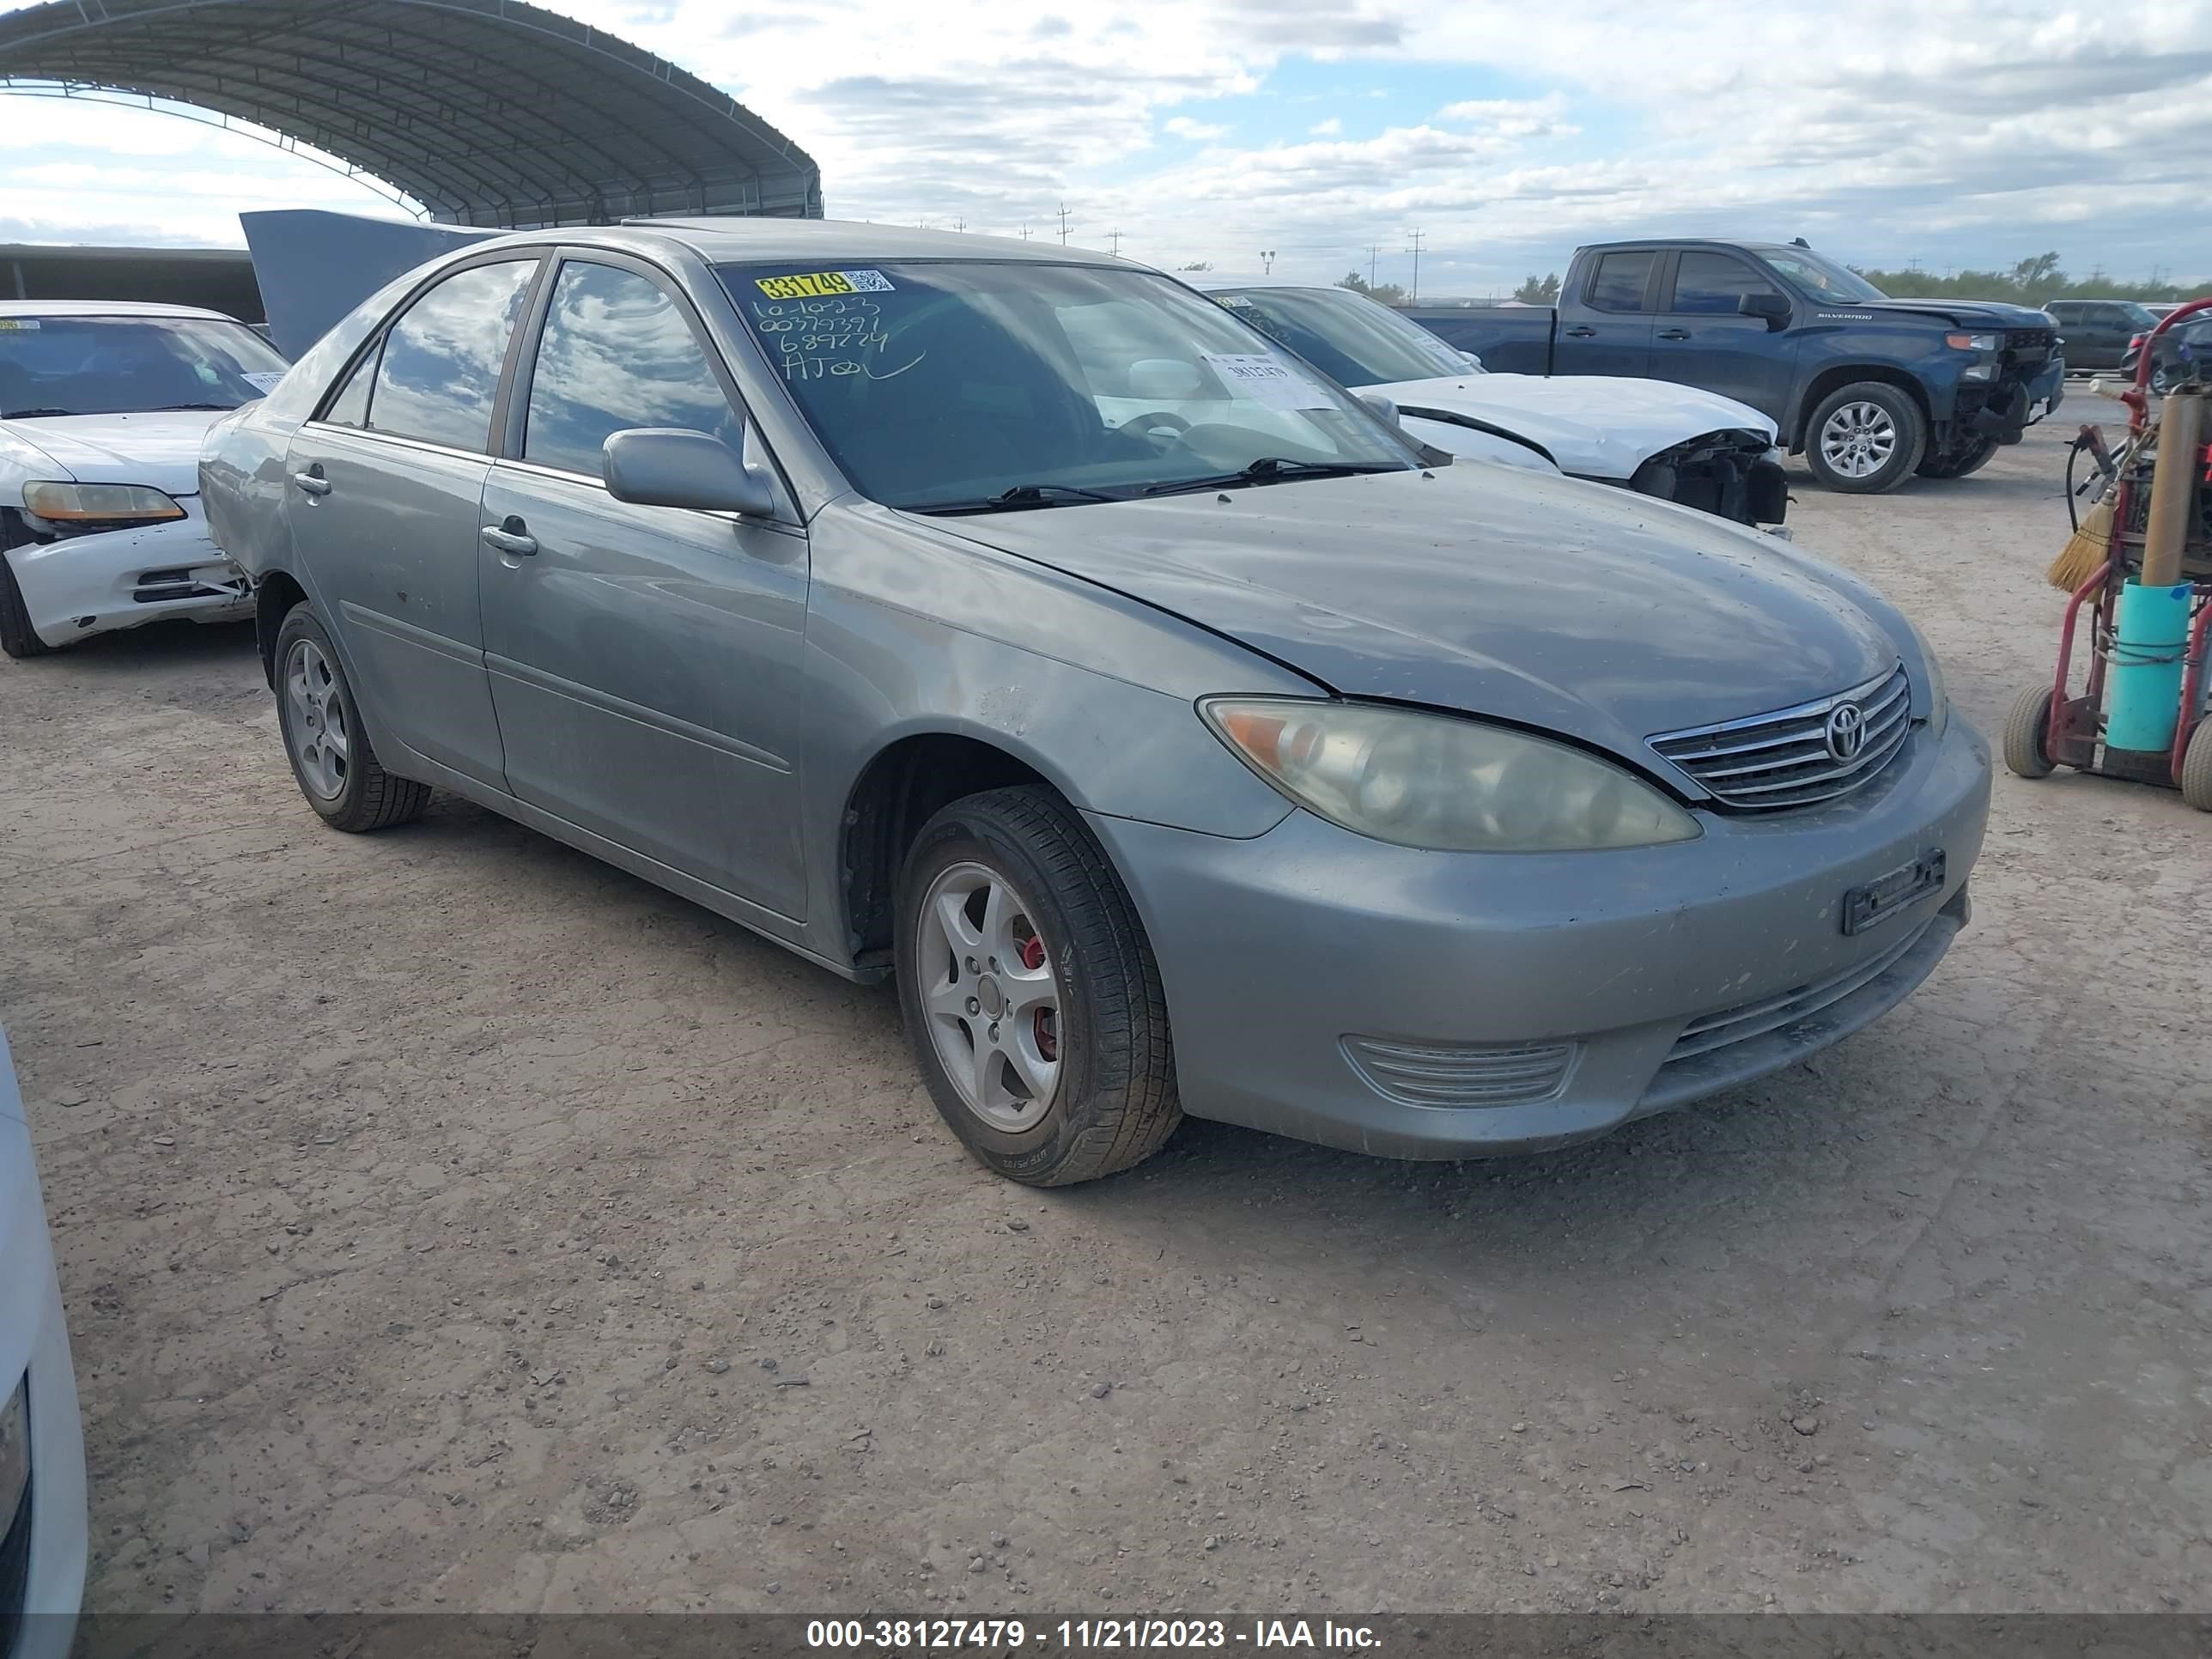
(31, 414)
(179, 409)
(1269, 468)
(1021, 496)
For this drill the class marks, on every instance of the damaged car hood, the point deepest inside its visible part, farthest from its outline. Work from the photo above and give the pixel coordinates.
(1602, 615)
(160, 448)
(1595, 426)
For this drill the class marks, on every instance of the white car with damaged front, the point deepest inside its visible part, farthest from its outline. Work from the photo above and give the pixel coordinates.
(103, 405)
(1676, 442)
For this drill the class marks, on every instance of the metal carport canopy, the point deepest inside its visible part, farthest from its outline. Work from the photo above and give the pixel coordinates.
(487, 111)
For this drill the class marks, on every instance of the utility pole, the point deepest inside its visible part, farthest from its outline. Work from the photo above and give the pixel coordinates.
(1025, 232)
(1267, 261)
(1115, 237)
(1063, 224)
(1374, 253)
(960, 223)
(1414, 294)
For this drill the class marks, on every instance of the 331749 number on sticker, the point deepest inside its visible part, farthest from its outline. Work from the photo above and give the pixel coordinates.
(822, 284)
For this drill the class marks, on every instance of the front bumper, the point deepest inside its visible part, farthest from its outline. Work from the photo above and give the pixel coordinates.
(80, 585)
(42, 1549)
(1613, 985)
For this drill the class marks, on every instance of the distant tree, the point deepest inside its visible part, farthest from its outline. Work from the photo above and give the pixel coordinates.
(1539, 291)
(1388, 292)
(1197, 264)
(2033, 281)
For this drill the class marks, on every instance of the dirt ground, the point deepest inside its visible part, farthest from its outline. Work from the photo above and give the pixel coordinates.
(448, 1220)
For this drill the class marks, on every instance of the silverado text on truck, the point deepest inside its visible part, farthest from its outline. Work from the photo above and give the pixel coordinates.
(1871, 390)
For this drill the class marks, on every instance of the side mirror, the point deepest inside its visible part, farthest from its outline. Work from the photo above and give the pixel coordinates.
(1774, 307)
(670, 466)
(1473, 362)
(1381, 406)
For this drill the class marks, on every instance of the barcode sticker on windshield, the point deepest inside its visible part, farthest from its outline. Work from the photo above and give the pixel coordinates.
(264, 380)
(1268, 380)
(17, 325)
(821, 284)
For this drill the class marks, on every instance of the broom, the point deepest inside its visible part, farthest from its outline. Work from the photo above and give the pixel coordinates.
(2090, 547)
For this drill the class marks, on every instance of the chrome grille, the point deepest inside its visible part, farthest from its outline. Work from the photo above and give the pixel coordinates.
(1440, 1074)
(1767, 763)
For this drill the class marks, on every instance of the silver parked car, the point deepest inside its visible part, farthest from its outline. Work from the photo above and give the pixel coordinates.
(1221, 759)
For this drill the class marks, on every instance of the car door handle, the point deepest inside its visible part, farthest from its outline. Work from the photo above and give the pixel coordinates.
(1582, 333)
(1674, 333)
(313, 482)
(509, 538)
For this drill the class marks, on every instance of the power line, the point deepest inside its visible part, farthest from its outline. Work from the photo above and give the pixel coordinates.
(1414, 294)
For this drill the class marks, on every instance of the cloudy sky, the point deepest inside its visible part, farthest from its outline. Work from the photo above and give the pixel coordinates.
(1974, 132)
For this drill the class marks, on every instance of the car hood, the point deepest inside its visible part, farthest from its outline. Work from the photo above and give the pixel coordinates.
(1967, 313)
(1595, 426)
(160, 449)
(1570, 607)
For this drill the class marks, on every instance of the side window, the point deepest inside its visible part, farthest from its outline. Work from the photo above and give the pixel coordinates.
(616, 353)
(440, 370)
(350, 406)
(1710, 284)
(1618, 282)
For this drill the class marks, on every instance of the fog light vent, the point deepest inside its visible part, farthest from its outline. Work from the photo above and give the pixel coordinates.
(1452, 1074)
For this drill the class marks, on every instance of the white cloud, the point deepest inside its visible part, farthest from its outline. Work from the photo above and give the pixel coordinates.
(1988, 130)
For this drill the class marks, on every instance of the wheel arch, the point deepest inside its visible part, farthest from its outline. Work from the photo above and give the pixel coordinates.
(274, 596)
(1831, 379)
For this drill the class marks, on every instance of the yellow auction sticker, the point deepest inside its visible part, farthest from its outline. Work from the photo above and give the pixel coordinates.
(822, 284)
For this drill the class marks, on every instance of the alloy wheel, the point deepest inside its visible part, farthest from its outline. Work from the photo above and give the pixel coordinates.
(1858, 440)
(318, 724)
(991, 996)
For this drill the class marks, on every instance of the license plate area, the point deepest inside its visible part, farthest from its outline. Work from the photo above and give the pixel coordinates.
(1875, 902)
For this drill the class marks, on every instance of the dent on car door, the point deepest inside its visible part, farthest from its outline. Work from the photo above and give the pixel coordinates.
(384, 496)
(644, 661)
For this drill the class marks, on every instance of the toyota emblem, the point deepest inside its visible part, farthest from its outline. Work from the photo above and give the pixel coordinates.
(1846, 730)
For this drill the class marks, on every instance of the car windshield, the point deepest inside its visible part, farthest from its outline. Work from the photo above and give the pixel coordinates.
(1821, 278)
(2141, 316)
(130, 365)
(958, 385)
(1348, 335)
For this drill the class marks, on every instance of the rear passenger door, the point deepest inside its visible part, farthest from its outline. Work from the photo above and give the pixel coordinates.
(644, 661)
(1606, 328)
(385, 489)
(1702, 339)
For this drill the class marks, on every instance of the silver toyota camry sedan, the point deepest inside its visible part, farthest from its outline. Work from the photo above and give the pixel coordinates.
(1019, 624)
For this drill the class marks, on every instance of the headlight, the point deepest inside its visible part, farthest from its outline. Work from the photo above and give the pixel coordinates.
(14, 1453)
(1973, 342)
(64, 502)
(1450, 784)
(1939, 690)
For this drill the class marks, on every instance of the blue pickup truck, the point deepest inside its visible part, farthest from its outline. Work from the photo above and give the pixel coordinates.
(1870, 390)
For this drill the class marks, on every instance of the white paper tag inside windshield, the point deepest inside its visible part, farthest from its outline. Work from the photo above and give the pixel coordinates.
(264, 380)
(17, 325)
(1268, 380)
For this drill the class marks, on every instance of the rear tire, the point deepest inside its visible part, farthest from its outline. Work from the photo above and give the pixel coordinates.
(1959, 466)
(332, 761)
(2027, 729)
(1865, 438)
(16, 638)
(2197, 767)
(1029, 993)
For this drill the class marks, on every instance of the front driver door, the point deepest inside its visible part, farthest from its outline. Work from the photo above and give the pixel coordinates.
(384, 490)
(644, 661)
(1703, 340)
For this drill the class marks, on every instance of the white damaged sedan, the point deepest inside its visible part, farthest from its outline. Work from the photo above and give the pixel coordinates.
(103, 404)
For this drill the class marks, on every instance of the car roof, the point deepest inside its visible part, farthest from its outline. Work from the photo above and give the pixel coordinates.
(105, 308)
(775, 241)
(1209, 282)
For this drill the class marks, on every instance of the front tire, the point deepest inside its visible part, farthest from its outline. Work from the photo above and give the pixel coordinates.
(16, 638)
(2027, 732)
(332, 761)
(1959, 466)
(1865, 438)
(1029, 992)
